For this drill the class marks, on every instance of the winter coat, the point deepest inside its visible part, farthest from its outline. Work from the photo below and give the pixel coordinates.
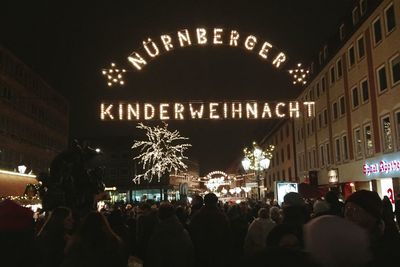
(257, 235)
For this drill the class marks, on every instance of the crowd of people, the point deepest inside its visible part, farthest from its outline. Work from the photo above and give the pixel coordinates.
(205, 233)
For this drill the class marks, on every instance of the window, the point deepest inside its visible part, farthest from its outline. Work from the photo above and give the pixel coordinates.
(342, 106)
(325, 117)
(345, 148)
(361, 47)
(328, 154)
(369, 145)
(309, 160)
(339, 68)
(312, 94)
(364, 91)
(312, 125)
(390, 18)
(387, 134)
(281, 133)
(377, 30)
(283, 175)
(332, 71)
(325, 52)
(395, 69)
(320, 120)
(282, 155)
(288, 151)
(335, 110)
(290, 173)
(382, 81)
(315, 164)
(341, 32)
(352, 58)
(356, 16)
(358, 143)
(323, 85)
(397, 122)
(287, 130)
(337, 150)
(317, 89)
(354, 94)
(363, 7)
(322, 155)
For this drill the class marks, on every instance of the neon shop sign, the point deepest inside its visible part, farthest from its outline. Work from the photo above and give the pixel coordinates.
(383, 168)
(154, 47)
(245, 110)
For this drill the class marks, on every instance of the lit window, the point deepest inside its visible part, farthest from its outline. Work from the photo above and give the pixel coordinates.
(377, 30)
(382, 81)
(390, 18)
(358, 143)
(395, 69)
(387, 134)
(369, 144)
(354, 93)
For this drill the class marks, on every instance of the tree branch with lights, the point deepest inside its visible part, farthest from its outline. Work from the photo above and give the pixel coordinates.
(161, 153)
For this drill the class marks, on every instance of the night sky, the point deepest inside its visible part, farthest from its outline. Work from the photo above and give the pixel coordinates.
(68, 42)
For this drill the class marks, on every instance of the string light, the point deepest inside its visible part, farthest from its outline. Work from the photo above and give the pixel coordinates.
(195, 112)
(295, 109)
(218, 36)
(213, 111)
(251, 110)
(266, 111)
(277, 111)
(149, 111)
(167, 41)
(114, 75)
(164, 112)
(234, 38)
(299, 74)
(152, 53)
(106, 111)
(264, 50)
(237, 110)
(201, 36)
(310, 108)
(134, 112)
(250, 42)
(179, 108)
(184, 38)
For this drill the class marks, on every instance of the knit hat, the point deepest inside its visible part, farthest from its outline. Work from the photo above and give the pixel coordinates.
(14, 217)
(293, 199)
(369, 201)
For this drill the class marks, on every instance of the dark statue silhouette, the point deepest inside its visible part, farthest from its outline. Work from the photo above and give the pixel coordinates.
(72, 182)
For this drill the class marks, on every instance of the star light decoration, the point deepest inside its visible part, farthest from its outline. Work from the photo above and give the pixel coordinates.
(114, 75)
(299, 74)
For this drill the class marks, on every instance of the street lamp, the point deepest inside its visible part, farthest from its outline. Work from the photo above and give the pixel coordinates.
(257, 160)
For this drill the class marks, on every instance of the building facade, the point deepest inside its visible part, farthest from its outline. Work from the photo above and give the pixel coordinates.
(34, 120)
(353, 142)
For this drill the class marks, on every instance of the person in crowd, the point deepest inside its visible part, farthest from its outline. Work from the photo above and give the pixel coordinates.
(320, 207)
(197, 204)
(170, 245)
(146, 222)
(397, 210)
(17, 238)
(388, 217)
(239, 224)
(95, 244)
(335, 206)
(182, 215)
(117, 224)
(295, 213)
(258, 232)
(54, 235)
(285, 236)
(210, 233)
(275, 214)
(364, 208)
(333, 241)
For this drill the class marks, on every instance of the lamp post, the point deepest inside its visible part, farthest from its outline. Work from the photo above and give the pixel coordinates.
(257, 160)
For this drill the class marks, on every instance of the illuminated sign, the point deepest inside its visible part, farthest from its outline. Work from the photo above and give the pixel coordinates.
(152, 48)
(381, 168)
(134, 111)
(282, 188)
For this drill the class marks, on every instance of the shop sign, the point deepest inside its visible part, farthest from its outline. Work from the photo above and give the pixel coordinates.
(382, 168)
(333, 176)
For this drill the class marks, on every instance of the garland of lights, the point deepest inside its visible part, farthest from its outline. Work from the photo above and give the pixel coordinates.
(153, 47)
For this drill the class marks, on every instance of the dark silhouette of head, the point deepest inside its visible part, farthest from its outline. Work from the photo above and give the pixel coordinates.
(210, 200)
(165, 211)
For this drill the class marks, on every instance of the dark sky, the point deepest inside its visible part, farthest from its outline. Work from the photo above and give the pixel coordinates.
(68, 42)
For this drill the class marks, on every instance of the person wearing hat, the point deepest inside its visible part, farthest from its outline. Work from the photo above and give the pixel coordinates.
(364, 208)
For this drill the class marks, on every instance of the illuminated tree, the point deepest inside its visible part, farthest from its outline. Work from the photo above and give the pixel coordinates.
(161, 153)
